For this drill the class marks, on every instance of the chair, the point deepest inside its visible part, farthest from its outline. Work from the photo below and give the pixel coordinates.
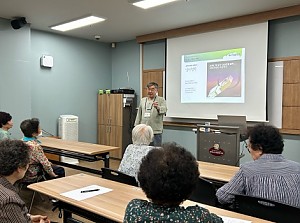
(266, 209)
(205, 192)
(118, 176)
(40, 177)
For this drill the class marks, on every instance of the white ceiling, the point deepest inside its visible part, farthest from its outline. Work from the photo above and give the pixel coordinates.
(125, 21)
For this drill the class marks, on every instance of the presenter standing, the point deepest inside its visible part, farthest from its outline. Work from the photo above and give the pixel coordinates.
(151, 112)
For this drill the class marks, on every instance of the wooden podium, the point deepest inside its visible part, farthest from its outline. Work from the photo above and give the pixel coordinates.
(218, 144)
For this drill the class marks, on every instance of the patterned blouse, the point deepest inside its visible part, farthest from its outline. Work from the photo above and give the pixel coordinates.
(132, 159)
(38, 160)
(144, 211)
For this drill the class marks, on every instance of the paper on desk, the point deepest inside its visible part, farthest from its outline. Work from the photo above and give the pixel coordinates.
(78, 196)
(233, 220)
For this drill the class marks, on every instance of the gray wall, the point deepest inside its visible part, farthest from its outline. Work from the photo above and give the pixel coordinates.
(81, 67)
(126, 59)
(284, 37)
(154, 55)
(15, 71)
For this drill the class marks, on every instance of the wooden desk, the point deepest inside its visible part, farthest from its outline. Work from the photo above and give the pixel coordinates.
(79, 150)
(217, 172)
(108, 207)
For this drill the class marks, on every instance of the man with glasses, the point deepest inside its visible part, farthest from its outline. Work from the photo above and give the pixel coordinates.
(151, 112)
(270, 175)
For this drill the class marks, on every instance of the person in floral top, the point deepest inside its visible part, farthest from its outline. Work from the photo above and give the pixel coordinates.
(38, 161)
(142, 136)
(167, 176)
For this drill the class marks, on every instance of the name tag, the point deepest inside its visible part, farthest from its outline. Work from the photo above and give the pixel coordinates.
(147, 114)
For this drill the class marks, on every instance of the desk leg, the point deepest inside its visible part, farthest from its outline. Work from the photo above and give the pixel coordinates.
(106, 161)
(105, 158)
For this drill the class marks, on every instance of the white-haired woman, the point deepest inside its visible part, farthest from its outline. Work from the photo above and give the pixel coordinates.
(142, 136)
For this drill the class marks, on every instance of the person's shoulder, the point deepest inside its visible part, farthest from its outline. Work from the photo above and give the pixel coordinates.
(196, 208)
(6, 194)
(203, 214)
(129, 147)
(249, 164)
(293, 163)
(160, 98)
(148, 148)
(136, 203)
(132, 148)
(33, 144)
(3, 134)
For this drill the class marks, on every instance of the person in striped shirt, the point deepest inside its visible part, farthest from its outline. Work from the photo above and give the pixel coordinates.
(269, 175)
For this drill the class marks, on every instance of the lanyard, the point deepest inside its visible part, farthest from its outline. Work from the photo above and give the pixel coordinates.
(151, 105)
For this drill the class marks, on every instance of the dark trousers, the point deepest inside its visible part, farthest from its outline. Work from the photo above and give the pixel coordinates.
(157, 140)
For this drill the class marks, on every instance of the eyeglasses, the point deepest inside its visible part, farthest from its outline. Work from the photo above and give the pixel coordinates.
(152, 89)
(247, 146)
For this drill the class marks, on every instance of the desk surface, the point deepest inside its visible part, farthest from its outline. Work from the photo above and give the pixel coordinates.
(111, 205)
(216, 171)
(73, 146)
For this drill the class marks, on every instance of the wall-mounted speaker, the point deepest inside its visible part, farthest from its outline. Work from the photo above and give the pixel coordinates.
(46, 61)
(18, 23)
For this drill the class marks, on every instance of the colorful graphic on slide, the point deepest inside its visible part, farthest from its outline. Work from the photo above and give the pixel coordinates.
(224, 79)
(213, 77)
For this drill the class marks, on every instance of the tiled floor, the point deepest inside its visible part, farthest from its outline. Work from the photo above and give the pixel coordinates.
(45, 207)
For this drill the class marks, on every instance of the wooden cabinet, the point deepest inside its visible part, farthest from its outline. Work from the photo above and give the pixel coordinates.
(115, 122)
(291, 97)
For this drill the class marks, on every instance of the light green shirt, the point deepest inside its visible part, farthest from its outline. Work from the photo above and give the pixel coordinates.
(155, 116)
(4, 134)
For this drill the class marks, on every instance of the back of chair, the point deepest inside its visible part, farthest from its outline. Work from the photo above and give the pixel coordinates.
(205, 193)
(118, 176)
(266, 209)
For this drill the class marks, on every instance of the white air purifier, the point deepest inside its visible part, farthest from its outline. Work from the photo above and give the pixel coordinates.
(68, 130)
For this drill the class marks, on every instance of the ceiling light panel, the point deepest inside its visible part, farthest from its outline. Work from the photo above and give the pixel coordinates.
(146, 4)
(78, 23)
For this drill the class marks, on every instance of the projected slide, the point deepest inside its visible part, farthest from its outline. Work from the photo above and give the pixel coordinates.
(213, 77)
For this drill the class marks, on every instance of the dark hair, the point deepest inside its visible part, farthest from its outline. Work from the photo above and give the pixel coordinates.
(30, 126)
(168, 175)
(152, 84)
(4, 118)
(266, 138)
(13, 154)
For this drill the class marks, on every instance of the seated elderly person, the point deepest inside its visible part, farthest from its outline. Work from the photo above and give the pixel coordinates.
(270, 175)
(38, 161)
(14, 161)
(5, 124)
(168, 176)
(142, 135)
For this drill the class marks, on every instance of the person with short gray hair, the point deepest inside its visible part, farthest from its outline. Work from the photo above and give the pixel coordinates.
(142, 136)
(151, 112)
